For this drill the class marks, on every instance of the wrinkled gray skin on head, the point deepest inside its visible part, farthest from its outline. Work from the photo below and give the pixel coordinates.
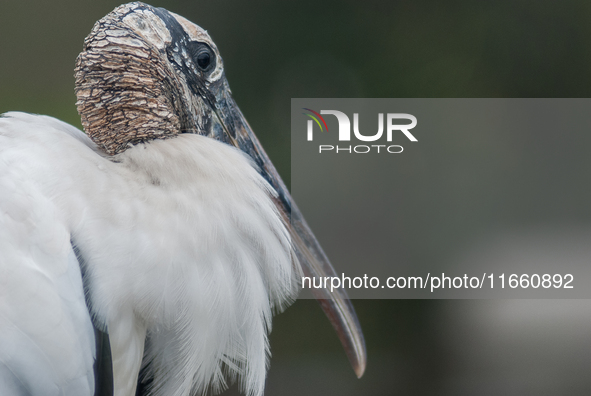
(137, 78)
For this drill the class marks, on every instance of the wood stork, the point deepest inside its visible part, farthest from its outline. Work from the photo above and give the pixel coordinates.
(165, 226)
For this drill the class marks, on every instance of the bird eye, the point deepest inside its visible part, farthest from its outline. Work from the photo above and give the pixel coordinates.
(202, 55)
(203, 60)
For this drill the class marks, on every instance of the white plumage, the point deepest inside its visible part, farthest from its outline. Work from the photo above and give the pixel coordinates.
(46, 336)
(168, 227)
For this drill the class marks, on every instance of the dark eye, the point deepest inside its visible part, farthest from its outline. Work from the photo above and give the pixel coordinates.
(203, 60)
(202, 56)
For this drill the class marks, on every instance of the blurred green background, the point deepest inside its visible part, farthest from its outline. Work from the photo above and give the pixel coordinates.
(274, 51)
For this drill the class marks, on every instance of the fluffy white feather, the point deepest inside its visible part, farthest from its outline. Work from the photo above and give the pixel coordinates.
(180, 241)
(46, 336)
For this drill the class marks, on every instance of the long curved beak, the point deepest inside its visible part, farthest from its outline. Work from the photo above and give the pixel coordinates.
(234, 129)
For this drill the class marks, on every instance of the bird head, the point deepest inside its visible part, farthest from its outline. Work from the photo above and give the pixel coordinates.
(146, 73)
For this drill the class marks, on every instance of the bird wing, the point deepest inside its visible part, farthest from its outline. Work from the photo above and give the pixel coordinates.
(47, 342)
